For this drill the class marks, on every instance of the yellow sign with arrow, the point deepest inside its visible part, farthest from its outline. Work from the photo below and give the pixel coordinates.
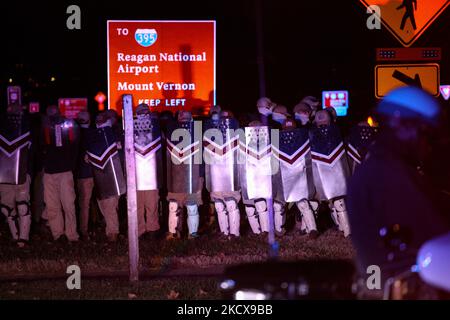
(391, 76)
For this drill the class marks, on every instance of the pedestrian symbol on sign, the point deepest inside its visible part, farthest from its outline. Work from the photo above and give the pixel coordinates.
(146, 37)
(410, 6)
(407, 20)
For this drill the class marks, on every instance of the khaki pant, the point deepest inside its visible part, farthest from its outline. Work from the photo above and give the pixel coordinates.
(15, 199)
(59, 191)
(84, 188)
(109, 208)
(147, 210)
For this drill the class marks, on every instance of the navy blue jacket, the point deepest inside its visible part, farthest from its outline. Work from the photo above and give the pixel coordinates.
(63, 158)
(385, 190)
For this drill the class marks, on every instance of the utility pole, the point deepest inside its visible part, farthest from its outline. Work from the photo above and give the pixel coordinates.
(133, 241)
(260, 47)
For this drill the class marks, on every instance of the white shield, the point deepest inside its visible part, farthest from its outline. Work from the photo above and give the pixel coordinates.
(256, 170)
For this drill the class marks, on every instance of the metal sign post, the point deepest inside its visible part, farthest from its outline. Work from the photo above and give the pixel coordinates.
(133, 242)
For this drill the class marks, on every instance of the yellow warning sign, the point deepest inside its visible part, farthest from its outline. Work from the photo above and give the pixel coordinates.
(391, 76)
(408, 19)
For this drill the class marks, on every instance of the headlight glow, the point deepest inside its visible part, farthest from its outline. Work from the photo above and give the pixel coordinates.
(227, 284)
(249, 295)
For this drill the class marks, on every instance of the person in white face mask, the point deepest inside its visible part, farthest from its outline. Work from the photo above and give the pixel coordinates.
(265, 107)
(313, 103)
(279, 115)
(302, 114)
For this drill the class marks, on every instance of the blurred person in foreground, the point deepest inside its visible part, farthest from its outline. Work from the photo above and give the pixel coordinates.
(389, 196)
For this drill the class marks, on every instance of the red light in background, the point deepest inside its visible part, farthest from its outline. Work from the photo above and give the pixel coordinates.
(33, 107)
(100, 98)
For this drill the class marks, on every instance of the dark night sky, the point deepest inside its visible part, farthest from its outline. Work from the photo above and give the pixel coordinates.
(309, 46)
